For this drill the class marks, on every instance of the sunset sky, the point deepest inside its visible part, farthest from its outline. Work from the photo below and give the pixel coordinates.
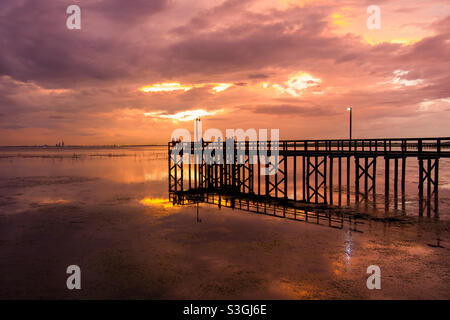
(139, 69)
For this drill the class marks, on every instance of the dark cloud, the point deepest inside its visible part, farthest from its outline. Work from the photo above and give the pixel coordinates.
(290, 110)
(258, 76)
(124, 45)
(39, 47)
(127, 12)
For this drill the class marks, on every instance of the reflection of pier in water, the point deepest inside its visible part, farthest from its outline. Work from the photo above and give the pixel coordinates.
(310, 171)
(321, 215)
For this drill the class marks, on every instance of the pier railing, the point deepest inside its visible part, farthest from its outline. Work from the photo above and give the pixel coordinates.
(409, 147)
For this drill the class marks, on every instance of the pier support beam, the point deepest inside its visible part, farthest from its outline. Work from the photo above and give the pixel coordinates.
(276, 184)
(317, 169)
(348, 180)
(331, 180)
(367, 170)
(429, 175)
(175, 172)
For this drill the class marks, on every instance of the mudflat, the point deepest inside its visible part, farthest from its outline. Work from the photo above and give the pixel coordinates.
(131, 242)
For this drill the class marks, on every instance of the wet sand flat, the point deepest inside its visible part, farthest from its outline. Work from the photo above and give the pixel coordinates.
(132, 243)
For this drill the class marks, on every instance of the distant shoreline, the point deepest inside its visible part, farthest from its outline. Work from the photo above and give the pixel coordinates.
(88, 147)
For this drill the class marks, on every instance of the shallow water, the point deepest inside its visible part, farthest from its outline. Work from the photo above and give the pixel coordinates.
(108, 210)
(45, 170)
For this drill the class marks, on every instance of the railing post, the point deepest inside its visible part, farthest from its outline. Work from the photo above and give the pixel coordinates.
(331, 180)
(420, 184)
(356, 179)
(170, 171)
(295, 172)
(386, 181)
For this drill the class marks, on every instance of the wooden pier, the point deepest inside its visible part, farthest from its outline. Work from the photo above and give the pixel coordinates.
(312, 171)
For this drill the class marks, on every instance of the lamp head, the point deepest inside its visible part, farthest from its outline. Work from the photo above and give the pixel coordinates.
(349, 109)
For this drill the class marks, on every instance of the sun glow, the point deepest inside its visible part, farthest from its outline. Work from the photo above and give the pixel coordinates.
(399, 81)
(165, 87)
(405, 42)
(297, 83)
(221, 87)
(176, 86)
(156, 202)
(373, 41)
(188, 115)
(338, 19)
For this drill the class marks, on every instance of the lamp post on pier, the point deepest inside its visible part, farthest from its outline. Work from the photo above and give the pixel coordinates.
(350, 128)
